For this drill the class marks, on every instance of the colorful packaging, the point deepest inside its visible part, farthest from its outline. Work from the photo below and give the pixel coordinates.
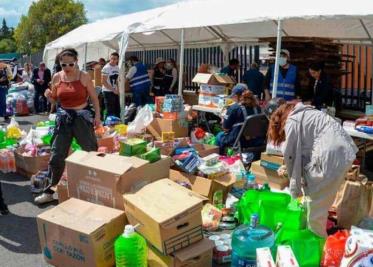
(285, 257)
(334, 249)
(132, 147)
(264, 258)
(168, 136)
(359, 249)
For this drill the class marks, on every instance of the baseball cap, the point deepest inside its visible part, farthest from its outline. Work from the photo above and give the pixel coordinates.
(285, 51)
(238, 89)
(273, 105)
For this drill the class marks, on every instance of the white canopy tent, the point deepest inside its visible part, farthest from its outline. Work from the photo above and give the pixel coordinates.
(206, 22)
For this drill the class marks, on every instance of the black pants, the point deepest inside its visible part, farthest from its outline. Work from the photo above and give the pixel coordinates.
(40, 101)
(2, 203)
(112, 105)
(62, 138)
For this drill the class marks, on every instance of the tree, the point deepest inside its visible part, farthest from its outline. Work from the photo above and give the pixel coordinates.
(47, 20)
(4, 30)
(7, 45)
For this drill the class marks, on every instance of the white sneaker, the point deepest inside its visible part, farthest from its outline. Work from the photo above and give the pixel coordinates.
(44, 198)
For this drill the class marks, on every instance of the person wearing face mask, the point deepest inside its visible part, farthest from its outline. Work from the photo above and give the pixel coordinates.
(158, 74)
(137, 79)
(320, 92)
(75, 118)
(288, 82)
(170, 78)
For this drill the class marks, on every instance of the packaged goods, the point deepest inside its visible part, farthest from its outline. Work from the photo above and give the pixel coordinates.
(334, 249)
(132, 147)
(264, 258)
(285, 257)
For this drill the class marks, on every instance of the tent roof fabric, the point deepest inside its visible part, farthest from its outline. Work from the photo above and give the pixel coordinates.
(219, 21)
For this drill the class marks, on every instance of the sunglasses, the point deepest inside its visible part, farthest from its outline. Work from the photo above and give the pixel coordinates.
(64, 65)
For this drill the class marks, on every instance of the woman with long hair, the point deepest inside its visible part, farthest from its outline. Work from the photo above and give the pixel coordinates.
(317, 153)
(75, 118)
(245, 105)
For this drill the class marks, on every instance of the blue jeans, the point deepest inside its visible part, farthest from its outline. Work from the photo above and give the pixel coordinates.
(3, 92)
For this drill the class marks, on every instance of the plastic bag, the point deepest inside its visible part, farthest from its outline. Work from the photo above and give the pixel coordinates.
(334, 249)
(143, 118)
(306, 245)
(13, 130)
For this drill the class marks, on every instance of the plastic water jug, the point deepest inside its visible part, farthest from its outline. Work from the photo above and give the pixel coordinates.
(246, 239)
(130, 249)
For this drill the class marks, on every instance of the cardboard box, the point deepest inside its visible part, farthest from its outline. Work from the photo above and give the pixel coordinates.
(107, 142)
(272, 158)
(163, 125)
(80, 234)
(196, 255)
(271, 177)
(203, 186)
(213, 79)
(29, 166)
(62, 192)
(264, 258)
(103, 178)
(169, 215)
(206, 150)
(285, 257)
(168, 136)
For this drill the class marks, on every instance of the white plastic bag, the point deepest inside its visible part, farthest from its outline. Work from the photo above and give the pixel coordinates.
(143, 118)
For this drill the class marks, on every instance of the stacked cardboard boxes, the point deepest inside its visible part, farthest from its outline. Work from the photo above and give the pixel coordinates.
(213, 89)
(169, 217)
(265, 171)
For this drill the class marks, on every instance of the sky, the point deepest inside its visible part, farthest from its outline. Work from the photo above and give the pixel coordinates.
(12, 10)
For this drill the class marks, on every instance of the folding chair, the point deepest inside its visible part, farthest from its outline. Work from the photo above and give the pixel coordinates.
(255, 126)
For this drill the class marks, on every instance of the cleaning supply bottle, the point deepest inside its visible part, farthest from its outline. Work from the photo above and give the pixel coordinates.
(246, 239)
(130, 249)
(250, 181)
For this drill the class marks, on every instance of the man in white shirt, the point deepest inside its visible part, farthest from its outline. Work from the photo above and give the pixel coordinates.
(110, 74)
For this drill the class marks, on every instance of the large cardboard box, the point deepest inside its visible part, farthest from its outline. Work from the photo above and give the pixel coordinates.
(272, 158)
(157, 126)
(62, 192)
(103, 178)
(205, 150)
(169, 215)
(80, 234)
(271, 177)
(203, 186)
(213, 79)
(29, 166)
(196, 255)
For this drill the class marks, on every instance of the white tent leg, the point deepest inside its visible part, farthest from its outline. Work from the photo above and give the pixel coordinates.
(181, 63)
(278, 50)
(85, 56)
(122, 52)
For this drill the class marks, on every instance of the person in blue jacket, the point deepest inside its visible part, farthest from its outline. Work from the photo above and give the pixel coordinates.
(139, 82)
(245, 105)
(288, 81)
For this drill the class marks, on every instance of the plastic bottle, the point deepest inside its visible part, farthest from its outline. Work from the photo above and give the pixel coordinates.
(217, 199)
(130, 249)
(246, 239)
(250, 181)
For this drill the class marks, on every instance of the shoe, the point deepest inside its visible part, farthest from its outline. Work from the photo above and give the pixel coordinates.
(4, 210)
(44, 198)
(6, 119)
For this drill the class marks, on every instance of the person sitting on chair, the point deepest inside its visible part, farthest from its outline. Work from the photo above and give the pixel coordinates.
(246, 105)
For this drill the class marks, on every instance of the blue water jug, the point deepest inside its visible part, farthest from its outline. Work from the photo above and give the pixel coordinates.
(246, 239)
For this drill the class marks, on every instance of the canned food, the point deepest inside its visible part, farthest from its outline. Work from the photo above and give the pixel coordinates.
(222, 254)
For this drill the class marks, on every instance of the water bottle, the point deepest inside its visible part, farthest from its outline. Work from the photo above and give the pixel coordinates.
(130, 249)
(250, 181)
(246, 239)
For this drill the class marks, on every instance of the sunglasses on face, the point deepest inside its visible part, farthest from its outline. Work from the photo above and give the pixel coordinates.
(64, 65)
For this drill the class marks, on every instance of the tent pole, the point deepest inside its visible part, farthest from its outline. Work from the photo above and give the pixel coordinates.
(181, 62)
(278, 50)
(85, 56)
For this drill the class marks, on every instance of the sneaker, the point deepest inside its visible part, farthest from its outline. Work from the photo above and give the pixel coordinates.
(44, 198)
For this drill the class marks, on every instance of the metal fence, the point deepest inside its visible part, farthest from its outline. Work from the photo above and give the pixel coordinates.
(194, 57)
(357, 85)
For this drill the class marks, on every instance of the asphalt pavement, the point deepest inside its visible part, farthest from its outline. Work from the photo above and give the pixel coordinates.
(19, 241)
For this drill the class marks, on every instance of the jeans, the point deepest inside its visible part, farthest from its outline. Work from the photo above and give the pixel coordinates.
(40, 101)
(3, 92)
(62, 138)
(112, 105)
(141, 98)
